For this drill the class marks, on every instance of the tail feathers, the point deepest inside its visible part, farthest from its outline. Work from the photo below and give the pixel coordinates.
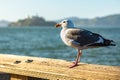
(106, 43)
(109, 42)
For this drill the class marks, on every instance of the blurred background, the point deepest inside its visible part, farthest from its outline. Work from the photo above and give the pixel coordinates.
(27, 28)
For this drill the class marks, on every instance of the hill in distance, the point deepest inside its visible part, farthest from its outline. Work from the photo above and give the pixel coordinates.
(4, 23)
(107, 21)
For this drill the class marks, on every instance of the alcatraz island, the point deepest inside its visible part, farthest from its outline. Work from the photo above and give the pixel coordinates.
(32, 21)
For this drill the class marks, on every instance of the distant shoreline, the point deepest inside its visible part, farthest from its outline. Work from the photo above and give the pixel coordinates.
(106, 21)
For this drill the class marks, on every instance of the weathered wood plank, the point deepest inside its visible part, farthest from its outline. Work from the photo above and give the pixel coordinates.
(18, 77)
(55, 69)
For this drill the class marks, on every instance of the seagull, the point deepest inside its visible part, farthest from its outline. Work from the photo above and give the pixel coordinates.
(81, 39)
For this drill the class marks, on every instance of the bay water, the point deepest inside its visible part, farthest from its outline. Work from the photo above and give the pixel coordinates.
(46, 42)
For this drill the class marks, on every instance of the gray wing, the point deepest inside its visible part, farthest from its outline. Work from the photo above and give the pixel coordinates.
(83, 37)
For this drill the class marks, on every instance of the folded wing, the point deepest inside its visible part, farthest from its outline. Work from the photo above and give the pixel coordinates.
(85, 37)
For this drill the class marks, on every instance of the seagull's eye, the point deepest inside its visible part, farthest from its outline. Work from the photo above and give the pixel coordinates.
(63, 21)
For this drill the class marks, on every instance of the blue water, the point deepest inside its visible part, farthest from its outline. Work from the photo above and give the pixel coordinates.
(46, 42)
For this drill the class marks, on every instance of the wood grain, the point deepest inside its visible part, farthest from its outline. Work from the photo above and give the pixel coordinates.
(54, 69)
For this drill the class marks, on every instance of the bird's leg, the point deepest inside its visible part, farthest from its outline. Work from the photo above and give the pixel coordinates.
(77, 59)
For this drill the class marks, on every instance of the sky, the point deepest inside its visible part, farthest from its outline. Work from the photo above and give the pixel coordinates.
(13, 10)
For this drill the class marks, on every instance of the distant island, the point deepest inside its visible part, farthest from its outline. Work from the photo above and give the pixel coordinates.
(33, 21)
(106, 21)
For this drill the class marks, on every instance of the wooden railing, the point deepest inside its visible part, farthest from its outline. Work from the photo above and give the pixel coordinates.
(14, 67)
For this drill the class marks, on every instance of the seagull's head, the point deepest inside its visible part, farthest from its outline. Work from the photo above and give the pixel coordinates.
(65, 24)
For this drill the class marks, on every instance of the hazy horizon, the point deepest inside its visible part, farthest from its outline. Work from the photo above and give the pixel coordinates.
(12, 10)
